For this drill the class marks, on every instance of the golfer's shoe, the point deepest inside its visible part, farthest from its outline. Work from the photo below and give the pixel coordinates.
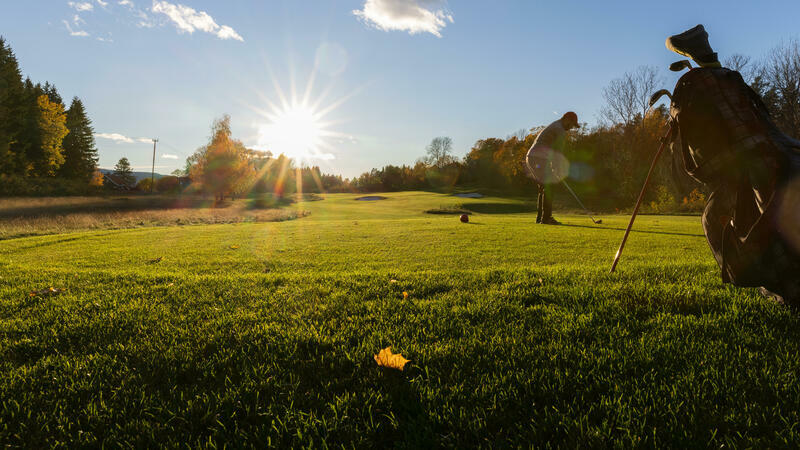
(551, 221)
(694, 44)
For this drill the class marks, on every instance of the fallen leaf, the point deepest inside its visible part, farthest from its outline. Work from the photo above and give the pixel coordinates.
(46, 292)
(405, 295)
(385, 358)
(156, 260)
(392, 281)
(234, 247)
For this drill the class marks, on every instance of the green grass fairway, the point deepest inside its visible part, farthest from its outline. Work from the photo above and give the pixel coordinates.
(263, 334)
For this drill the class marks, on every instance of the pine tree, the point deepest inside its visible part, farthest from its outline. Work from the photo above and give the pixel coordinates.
(123, 170)
(52, 93)
(12, 106)
(80, 153)
(29, 145)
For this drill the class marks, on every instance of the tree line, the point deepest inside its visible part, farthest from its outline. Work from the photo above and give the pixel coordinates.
(608, 161)
(45, 146)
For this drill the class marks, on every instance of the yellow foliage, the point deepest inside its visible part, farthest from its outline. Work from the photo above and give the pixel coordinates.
(97, 179)
(385, 358)
(53, 129)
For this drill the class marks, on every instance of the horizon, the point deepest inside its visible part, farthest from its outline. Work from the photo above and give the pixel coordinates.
(374, 82)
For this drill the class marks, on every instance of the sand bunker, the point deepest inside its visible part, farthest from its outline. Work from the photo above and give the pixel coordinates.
(370, 198)
(469, 195)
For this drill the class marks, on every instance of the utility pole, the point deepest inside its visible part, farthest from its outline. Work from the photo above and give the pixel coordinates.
(153, 169)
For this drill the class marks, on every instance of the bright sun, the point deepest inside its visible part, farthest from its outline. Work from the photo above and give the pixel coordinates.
(295, 131)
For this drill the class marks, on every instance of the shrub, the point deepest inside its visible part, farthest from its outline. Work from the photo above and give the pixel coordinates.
(695, 202)
(168, 184)
(144, 185)
(664, 201)
(12, 186)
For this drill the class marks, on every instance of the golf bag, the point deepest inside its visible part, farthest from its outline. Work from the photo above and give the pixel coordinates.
(726, 140)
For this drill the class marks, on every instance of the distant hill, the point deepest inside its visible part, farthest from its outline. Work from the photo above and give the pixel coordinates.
(138, 175)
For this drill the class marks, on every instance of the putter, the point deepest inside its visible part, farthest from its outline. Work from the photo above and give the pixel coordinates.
(598, 221)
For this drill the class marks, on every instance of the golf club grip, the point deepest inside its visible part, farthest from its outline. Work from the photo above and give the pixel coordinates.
(641, 196)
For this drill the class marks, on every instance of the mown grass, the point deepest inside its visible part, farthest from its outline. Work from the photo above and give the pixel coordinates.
(262, 334)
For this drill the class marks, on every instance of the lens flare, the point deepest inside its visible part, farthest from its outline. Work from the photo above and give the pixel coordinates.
(295, 131)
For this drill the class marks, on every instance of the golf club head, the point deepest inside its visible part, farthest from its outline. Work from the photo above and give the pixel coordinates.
(677, 66)
(598, 221)
(657, 96)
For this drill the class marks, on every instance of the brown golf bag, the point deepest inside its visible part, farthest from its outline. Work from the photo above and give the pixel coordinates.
(726, 140)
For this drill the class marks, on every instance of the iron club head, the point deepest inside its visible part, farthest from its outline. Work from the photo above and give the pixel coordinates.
(677, 66)
(657, 96)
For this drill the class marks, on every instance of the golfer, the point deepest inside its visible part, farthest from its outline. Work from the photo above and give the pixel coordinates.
(548, 165)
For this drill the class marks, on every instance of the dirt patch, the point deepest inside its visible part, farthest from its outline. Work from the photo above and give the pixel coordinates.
(370, 198)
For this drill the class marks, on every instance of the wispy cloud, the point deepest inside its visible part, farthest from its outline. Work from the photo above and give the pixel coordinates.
(121, 138)
(81, 6)
(168, 156)
(75, 32)
(189, 20)
(127, 3)
(102, 3)
(414, 16)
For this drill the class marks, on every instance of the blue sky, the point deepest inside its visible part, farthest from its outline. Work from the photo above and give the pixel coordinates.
(394, 73)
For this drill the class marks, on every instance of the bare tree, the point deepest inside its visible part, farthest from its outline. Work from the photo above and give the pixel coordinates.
(780, 74)
(439, 151)
(742, 64)
(520, 134)
(627, 98)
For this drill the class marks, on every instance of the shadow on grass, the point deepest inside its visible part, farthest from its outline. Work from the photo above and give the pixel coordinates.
(95, 205)
(600, 227)
(62, 206)
(500, 208)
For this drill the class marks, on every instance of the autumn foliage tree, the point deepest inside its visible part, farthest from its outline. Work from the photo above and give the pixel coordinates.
(52, 128)
(222, 167)
(40, 141)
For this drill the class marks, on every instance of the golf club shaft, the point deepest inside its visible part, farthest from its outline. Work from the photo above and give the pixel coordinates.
(577, 199)
(641, 196)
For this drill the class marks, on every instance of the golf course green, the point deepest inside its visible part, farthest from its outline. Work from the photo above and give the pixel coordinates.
(264, 333)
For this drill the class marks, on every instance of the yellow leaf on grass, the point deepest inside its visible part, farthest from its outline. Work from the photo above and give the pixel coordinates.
(385, 358)
(405, 295)
(234, 247)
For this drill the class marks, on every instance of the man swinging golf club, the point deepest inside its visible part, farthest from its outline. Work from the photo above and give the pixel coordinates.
(547, 165)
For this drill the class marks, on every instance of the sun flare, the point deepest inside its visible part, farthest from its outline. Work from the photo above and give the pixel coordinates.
(295, 131)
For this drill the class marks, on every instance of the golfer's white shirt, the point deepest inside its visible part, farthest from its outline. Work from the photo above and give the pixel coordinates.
(539, 158)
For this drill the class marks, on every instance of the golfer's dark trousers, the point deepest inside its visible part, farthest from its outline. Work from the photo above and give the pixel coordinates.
(544, 203)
